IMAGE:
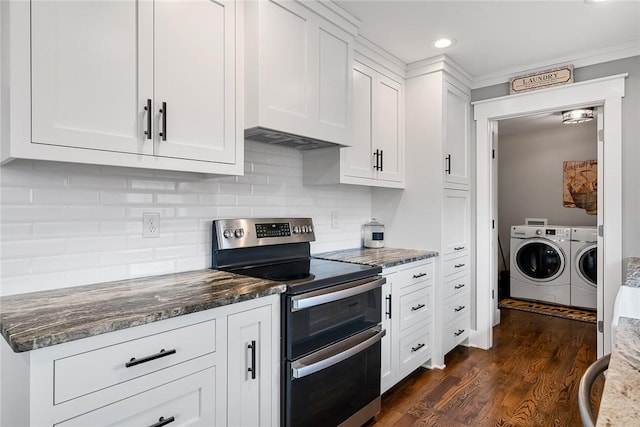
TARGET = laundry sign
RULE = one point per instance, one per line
(542, 79)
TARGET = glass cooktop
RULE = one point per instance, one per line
(308, 274)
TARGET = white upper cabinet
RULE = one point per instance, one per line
(376, 157)
(298, 72)
(377, 144)
(194, 76)
(456, 134)
(88, 82)
(127, 83)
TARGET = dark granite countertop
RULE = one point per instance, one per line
(41, 319)
(383, 257)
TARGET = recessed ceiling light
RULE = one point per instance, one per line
(443, 42)
(594, 1)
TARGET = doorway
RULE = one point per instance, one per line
(605, 92)
(536, 161)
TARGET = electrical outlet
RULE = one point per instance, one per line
(150, 224)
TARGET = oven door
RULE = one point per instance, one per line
(336, 384)
(317, 319)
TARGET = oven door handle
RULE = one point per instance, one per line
(336, 353)
(334, 293)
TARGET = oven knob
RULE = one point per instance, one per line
(239, 232)
(304, 228)
(310, 229)
(296, 230)
(539, 232)
(227, 233)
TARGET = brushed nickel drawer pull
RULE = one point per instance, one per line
(162, 353)
(418, 347)
(418, 307)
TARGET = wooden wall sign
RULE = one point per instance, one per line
(541, 79)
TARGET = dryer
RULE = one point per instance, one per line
(584, 267)
(540, 263)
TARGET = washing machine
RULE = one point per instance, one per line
(540, 263)
(584, 267)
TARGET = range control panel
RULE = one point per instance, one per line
(248, 232)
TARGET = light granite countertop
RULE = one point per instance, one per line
(633, 272)
(41, 319)
(383, 257)
(620, 404)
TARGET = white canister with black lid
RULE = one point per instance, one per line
(373, 234)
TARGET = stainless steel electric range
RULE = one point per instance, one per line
(331, 314)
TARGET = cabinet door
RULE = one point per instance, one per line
(387, 377)
(250, 367)
(456, 135)
(456, 221)
(304, 72)
(91, 65)
(388, 126)
(195, 79)
(357, 160)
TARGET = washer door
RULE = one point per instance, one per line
(540, 260)
(587, 260)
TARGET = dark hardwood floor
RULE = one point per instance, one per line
(529, 378)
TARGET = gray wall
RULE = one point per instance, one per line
(630, 139)
(530, 172)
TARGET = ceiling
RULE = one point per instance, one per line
(498, 38)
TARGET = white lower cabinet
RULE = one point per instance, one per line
(189, 370)
(408, 320)
(251, 371)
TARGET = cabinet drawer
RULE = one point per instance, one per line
(456, 306)
(457, 284)
(456, 265)
(415, 349)
(188, 401)
(456, 332)
(414, 275)
(415, 305)
(94, 370)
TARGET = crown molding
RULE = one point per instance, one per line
(366, 51)
(334, 13)
(439, 63)
(579, 60)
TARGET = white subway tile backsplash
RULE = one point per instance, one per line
(149, 184)
(125, 198)
(64, 224)
(15, 196)
(177, 199)
(55, 263)
(47, 196)
(151, 268)
(12, 249)
(31, 213)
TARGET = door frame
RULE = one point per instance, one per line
(606, 92)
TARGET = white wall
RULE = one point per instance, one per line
(630, 139)
(530, 178)
(64, 224)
